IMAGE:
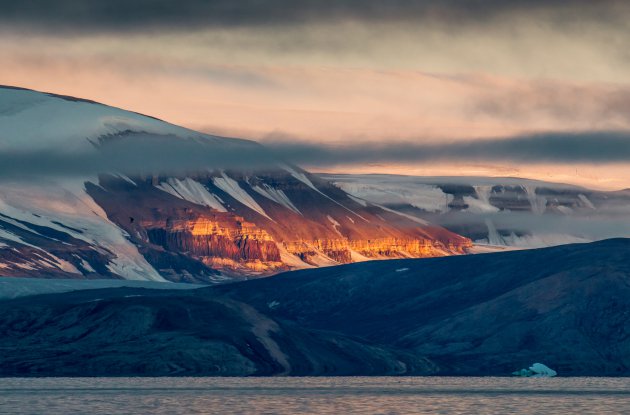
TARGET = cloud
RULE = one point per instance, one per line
(140, 153)
(608, 221)
(137, 153)
(591, 147)
(361, 70)
(93, 15)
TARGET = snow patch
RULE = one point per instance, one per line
(336, 225)
(302, 178)
(321, 260)
(410, 217)
(65, 201)
(276, 195)
(192, 191)
(24, 265)
(357, 257)
(231, 187)
(36, 121)
(8, 236)
(65, 265)
(127, 179)
(86, 266)
(291, 260)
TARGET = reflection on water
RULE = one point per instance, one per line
(342, 395)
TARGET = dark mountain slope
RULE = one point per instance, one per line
(567, 307)
(126, 331)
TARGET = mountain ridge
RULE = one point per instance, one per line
(208, 225)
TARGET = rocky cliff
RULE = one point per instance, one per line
(248, 233)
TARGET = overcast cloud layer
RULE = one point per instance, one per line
(357, 72)
(150, 154)
(98, 15)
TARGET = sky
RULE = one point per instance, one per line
(535, 88)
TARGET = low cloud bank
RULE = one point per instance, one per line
(143, 153)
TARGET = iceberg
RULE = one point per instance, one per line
(537, 370)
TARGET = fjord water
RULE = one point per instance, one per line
(338, 395)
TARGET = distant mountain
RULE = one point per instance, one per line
(491, 314)
(210, 225)
(499, 211)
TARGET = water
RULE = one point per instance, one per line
(349, 395)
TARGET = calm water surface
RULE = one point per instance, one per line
(345, 395)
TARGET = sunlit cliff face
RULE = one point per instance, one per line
(414, 72)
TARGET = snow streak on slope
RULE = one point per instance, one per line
(127, 179)
(335, 225)
(65, 207)
(231, 187)
(302, 178)
(9, 236)
(404, 215)
(276, 195)
(192, 191)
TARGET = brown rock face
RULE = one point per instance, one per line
(396, 247)
(217, 244)
(340, 250)
(336, 249)
(268, 222)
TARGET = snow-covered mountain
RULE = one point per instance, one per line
(206, 225)
(499, 211)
